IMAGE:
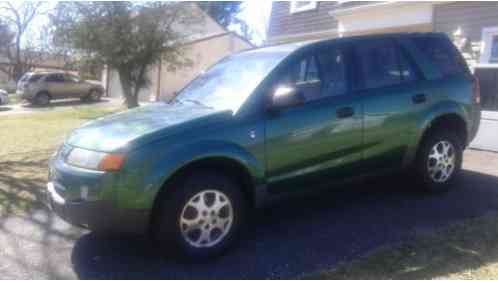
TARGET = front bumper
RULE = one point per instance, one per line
(90, 209)
(98, 216)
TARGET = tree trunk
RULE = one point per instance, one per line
(131, 98)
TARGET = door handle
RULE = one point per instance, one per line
(419, 98)
(344, 112)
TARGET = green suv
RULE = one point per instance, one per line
(265, 123)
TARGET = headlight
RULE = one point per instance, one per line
(95, 160)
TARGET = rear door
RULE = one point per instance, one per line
(392, 97)
(73, 87)
(320, 139)
(55, 85)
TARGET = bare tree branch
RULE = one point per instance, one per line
(19, 17)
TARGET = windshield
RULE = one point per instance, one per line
(25, 77)
(227, 84)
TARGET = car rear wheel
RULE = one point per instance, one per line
(202, 218)
(94, 95)
(42, 99)
(439, 161)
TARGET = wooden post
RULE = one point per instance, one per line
(159, 69)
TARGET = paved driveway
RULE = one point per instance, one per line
(284, 241)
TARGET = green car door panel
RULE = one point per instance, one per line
(390, 119)
(305, 141)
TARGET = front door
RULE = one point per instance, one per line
(323, 136)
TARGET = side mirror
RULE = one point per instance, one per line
(285, 97)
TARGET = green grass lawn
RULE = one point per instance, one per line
(467, 250)
(26, 143)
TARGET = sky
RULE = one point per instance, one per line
(257, 14)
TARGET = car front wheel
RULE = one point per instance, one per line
(95, 95)
(439, 161)
(203, 217)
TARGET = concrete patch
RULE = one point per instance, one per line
(487, 136)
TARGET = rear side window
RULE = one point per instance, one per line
(443, 55)
(383, 64)
(34, 77)
(55, 78)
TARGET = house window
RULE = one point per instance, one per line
(489, 46)
(301, 6)
(494, 50)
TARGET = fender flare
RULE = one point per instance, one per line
(188, 154)
(425, 122)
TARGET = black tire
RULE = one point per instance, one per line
(42, 99)
(435, 182)
(94, 95)
(167, 228)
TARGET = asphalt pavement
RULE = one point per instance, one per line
(287, 240)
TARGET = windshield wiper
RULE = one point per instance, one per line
(174, 100)
(196, 102)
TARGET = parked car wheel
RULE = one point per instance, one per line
(95, 95)
(4, 97)
(202, 218)
(42, 99)
(439, 161)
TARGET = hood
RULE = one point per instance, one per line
(116, 131)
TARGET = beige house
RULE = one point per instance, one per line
(45, 63)
(206, 44)
(472, 25)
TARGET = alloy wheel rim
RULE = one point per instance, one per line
(441, 161)
(95, 95)
(206, 218)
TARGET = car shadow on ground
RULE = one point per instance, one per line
(302, 235)
(65, 103)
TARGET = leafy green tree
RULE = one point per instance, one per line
(129, 37)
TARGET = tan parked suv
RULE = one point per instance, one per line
(41, 87)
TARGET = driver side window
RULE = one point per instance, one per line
(304, 77)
